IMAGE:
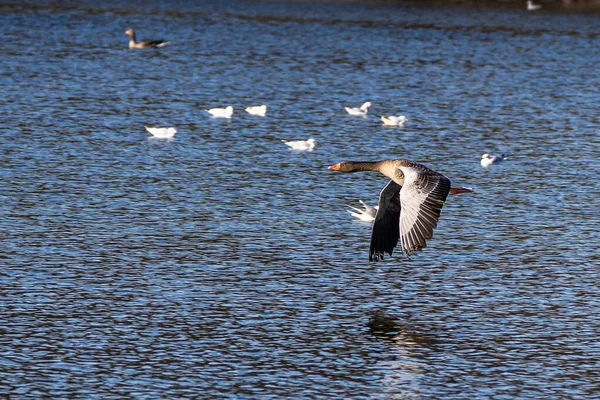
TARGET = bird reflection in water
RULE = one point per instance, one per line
(404, 376)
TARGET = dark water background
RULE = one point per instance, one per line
(221, 264)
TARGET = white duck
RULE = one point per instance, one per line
(488, 159)
(163, 133)
(361, 111)
(256, 110)
(393, 120)
(367, 214)
(532, 7)
(221, 112)
(308, 145)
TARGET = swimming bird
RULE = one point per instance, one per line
(301, 144)
(393, 121)
(221, 112)
(367, 213)
(409, 205)
(532, 7)
(163, 133)
(256, 110)
(488, 159)
(362, 110)
(145, 44)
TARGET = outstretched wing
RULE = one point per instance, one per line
(386, 227)
(421, 197)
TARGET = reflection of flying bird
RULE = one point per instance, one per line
(409, 205)
(399, 331)
(367, 213)
(407, 340)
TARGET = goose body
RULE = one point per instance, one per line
(409, 205)
(532, 7)
(360, 111)
(308, 144)
(393, 120)
(145, 44)
(256, 110)
(488, 159)
(367, 213)
(226, 112)
(163, 133)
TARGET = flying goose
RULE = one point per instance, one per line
(409, 205)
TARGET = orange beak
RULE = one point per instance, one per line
(335, 167)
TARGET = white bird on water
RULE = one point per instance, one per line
(221, 112)
(488, 159)
(144, 44)
(532, 7)
(256, 110)
(308, 145)
(162, 133)
(393, 120)
(366, 214)
(361, 111)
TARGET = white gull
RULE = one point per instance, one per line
(163, 133)
(361, 111)
(488, 159)
(301, 144)
(532, 7)
(393, 120)
(256, 110)
(221, 112)
(367, 213)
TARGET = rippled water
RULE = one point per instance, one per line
(221, 264)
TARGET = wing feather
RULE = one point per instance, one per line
(421, 198)
(386, 226)
(408, 213)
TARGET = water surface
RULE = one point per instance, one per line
(221, 264)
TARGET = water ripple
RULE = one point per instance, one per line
(221, 264)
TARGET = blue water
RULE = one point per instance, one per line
(222, 264)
